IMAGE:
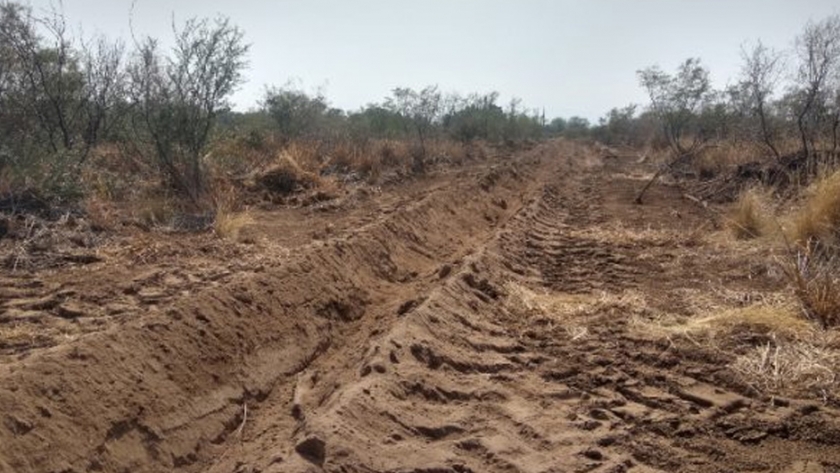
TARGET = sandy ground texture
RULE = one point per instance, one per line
(515, 315)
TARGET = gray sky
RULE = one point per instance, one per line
(571, 57)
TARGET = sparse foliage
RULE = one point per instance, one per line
(58, 96)
(179, 96)
(817, 76)
(422, 109)
(679, 101)
(760, 74)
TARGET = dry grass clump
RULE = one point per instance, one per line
(750, 215)
(154, 211)
(790, 366)
(781, 319)
(240, 155)
(370, 166)
(392, 154)
(618, 232)
(815, 278)
(101, 213)
(449, 152)
(531, 302)
(305, 155)
(228, 218)
(776, 317)
(818, 221)
(228, 224)
(285, 176)
(812, 262)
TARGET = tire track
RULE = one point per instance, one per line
(463, 381)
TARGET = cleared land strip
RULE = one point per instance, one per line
(508, 322)
(170, 390)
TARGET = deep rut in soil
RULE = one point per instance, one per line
(170, 390)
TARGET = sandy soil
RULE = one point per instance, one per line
(506, 316)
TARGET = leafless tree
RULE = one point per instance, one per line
(818, 52)
(105, 86)
(760, 74)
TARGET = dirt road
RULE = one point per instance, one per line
(490, 319)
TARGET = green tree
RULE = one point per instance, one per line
(57, 96)
(678, 101)
(179, 96)
(296, 113)
(422, 110)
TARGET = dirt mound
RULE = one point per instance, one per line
(487, 320)
(283, 178)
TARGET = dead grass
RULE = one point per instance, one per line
(811, 257)
(790, 367)
(722, 157)
(153, 211)
(818, 220)
(560, 305)
(618, 232)
(229, 225)
(815, 278)
(229, 218)
(803, 242)
(750, 216)
(285, 176)
(303, 156)
(237, 156)
(781, 318)
(370, 166)
(775, 317)
(449, 152)
(391, 153)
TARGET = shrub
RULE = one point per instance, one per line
(179, 97)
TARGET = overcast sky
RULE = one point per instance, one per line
(570, 57)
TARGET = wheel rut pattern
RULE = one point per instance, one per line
(408, 346)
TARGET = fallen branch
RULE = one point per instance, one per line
(683, 157)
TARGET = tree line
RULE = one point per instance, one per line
(63, 94)
(787, 101)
